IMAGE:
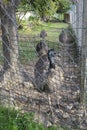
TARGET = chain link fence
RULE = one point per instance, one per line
(23, 71)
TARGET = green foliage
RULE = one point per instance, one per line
(63, 5)
(44, 8)
(24, 6)
(34, 20)
(5, 1)
(11, 119)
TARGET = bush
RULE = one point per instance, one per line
(11, 119)
(34, 20)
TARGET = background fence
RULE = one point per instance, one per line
(63, 104)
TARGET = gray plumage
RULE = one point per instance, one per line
(41, 48)
(66, 37)
(41, 72)
(47, 78)
(43, 34)
(63, 36)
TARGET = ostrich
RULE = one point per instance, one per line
(66, 36)
(63, 37)
(41, 48)
(42, 69)
(47, 74)
(43, 34)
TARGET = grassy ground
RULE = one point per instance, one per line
(53, 29)
(27, 46)
(36, 28)
(11, 119)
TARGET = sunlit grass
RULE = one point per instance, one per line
(53, 30)
(34, 30)
(26, 51)
(27, 47)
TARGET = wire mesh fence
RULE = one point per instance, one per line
(35, 80)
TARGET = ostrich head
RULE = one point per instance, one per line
(51, 55)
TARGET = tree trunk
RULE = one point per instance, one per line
(9, 36)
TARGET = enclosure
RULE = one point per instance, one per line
(65, 104)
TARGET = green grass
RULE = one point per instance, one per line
(53, 30)
(27, 47)
(35, 29)
(27, 50)
(11, 119)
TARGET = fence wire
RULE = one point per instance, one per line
(53, 95)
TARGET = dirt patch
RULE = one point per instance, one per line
(62, 106)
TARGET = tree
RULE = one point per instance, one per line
(44, 8)
(63, 5)
(23, 8)
(9, 34)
